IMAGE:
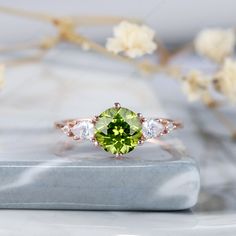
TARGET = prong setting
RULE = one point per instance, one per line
(140, 115)
(95, 142)
(140, 142)
(70, 134)
(118, 155)
(117, 105)
(95, 119)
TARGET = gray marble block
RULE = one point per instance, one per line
(147, 179)
(41, 168)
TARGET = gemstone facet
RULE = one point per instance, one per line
(170, 126)
(83, 130)
(118, 130)
(152, 128)
(66, 129)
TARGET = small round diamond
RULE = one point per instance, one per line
(66, 129)
(151, 128)
(83, 130)
(170, 126)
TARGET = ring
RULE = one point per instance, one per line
(117, 130)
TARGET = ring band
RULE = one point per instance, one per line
(117, 130)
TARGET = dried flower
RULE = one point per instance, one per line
(195, 86)
(2, 81)
(225, 80)
(132, 39)
(216, 44)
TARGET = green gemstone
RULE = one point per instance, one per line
(118, 130)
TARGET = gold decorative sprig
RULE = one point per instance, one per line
(66, 28)
(131, 39)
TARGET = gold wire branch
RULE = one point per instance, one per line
(66, 28)
(32, 15)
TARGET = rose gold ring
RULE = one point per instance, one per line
(117, 130)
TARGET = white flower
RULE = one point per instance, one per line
(2, 81)
(132, 39)
(195, 86)
(225, 80)
(216, 44)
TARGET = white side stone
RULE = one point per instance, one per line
(83, 130)
(151, 128)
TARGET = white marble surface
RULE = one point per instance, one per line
(73, 223)
(206, 141)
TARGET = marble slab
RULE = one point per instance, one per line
(148, 179)
(204, 137)
(40, 169)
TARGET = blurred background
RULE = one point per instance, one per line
(175, 21)
(51, 88)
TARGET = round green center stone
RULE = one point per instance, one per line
(118, 130)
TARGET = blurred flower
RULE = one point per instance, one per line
(2, 81)
(195, 86)
(132, 39)
(225, 80)
(216, 44)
